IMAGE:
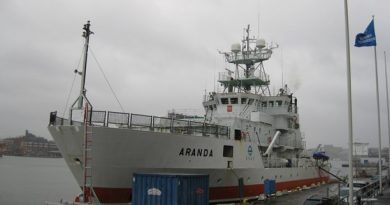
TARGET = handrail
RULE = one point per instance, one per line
(370, 190)
(149, 123)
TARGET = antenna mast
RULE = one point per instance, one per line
(78, 103)
(87, 32)
(248, 56)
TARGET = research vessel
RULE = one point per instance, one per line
(247, 136)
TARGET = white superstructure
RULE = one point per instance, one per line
(247, 135)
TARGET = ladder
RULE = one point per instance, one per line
(87, 168)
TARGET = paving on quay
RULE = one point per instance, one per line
(299, 197)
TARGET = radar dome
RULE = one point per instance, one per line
(236, 47)
(260, 43)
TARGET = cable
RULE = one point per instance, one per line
(70, 91)
(108, 83)
(71, 88)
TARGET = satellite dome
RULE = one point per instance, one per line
(236, 47)
(260, 43)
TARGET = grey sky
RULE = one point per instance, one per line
(160, 55)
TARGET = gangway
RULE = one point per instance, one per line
(335, 176)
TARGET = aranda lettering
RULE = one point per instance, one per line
(193, 152)
(188, 151)
(196, 152)
(199, 153)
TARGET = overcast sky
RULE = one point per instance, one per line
(159, 55)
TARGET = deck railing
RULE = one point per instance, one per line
(148, 123)
(365, 194)
(225, 76)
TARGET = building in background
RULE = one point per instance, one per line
(29, 145)
(360, 149)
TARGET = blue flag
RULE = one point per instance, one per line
(368, 37)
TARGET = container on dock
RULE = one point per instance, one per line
(269, 186)
(170, 189)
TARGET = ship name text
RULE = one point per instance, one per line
(196, 152)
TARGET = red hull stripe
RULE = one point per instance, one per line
(113, 195)
(123, 195)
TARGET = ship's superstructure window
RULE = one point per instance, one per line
(263, 104)
(211, 107)
(227, 151)
(237, 134)
(225, 101)
(233, 100)
(250, 102)
(271, 103)
(243, 100)
(279, 103)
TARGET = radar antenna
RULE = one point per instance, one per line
(248, 57)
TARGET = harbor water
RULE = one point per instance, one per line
(33, 181)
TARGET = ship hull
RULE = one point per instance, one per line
(117, 153)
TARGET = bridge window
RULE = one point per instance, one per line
(271, 103)
(279, 103)
(210, 107)
(225, 101)
(250, 102)
(243, 100)
(233, 100)
(263, 104)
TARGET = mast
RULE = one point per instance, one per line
(78, 103)
(249, 71)
(87, 32)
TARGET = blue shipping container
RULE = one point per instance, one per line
(269, 187)
(170, 189)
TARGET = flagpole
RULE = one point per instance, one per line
(379, 120)
(350, 130)
(388, 114)
(379, 123)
